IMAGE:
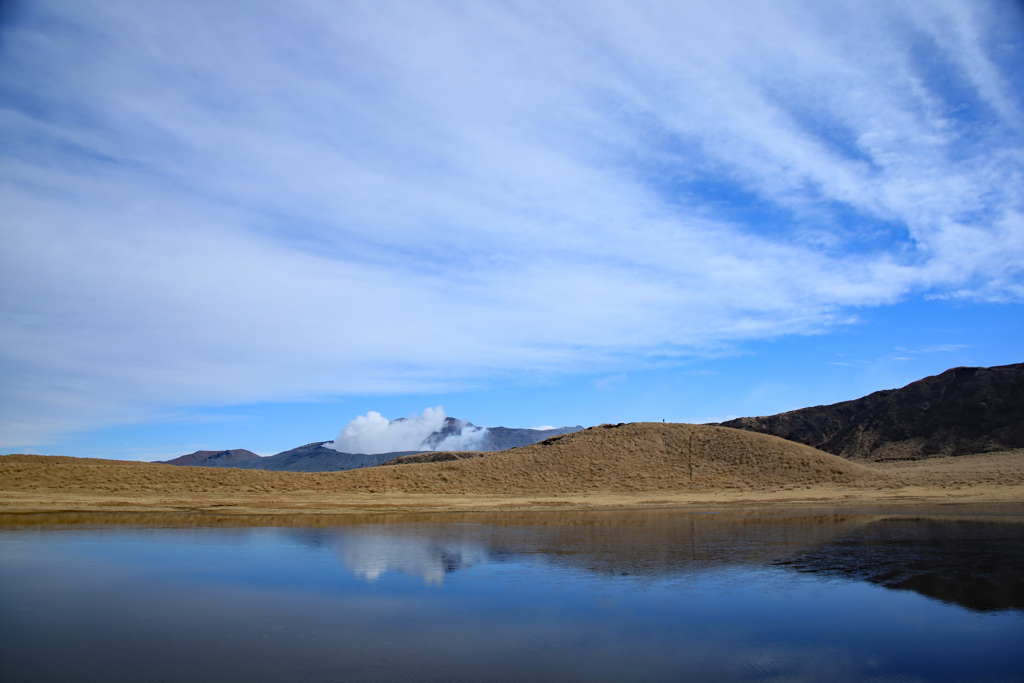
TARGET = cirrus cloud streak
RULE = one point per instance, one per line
(209, 206)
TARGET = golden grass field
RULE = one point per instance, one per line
(639, 465)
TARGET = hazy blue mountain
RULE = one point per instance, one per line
(503, 438)
(231, 458)
(316, 457)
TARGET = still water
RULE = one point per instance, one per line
(755, 595)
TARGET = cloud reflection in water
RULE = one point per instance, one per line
(369, 554)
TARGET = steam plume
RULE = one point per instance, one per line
(430, 431)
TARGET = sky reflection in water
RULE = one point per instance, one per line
(655, 596)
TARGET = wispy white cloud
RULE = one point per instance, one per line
(208, 205)
(944, 348)
(611, 381)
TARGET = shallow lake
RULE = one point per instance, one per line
(760, 595)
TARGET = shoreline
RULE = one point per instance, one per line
(312, 505)
(56, 484)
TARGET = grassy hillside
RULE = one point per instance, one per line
(638, 464)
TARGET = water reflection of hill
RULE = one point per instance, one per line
(974, 558)
(667, 545)
(641, 545)
(977, 565)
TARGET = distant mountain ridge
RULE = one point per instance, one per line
(231, 458)
(317, 457)
(961, 411)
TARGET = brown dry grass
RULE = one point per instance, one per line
(634, 457)
(635, 465)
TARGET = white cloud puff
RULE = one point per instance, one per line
(374, 433)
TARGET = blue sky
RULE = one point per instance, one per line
(241, 225)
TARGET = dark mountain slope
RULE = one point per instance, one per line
(961, 411)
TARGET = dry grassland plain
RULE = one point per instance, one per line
(632, 466)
